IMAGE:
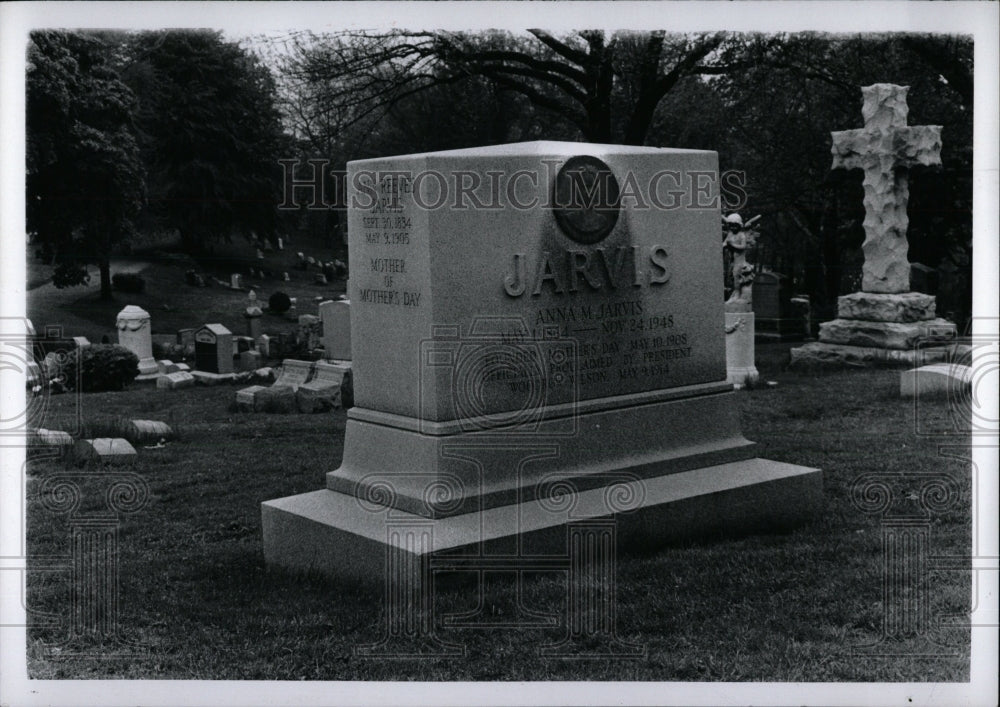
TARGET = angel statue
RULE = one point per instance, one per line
(738, 238)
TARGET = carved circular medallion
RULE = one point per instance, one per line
(585, 199)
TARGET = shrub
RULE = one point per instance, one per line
(102, 367)
(128, 282)
(279, 303)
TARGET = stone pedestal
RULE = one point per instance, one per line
(253, 316)
(740, 367)
(135, 334)
(874, 329)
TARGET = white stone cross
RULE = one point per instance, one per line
(885, 148)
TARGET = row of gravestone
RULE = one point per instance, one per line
(215, 347)
(101, 450)
(301, 386)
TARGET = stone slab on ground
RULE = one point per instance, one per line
(106, 450)
(294, 373)
(166, 366)
(206, 378)
(334, 534)
(877, 307)
(886, 335)
(818, 354)
(175, 381)
(149, 431)
(51, 439)
(937, 379)
(246, 398)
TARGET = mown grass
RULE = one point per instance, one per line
(196, 600)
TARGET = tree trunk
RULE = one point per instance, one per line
(105, 266)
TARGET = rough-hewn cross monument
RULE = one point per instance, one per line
(885, 322)
(885, 149)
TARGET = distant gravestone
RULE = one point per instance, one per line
(213, 349)
(165, 366)
(105, 450)
(935, 380)
(308, 331)
(81, 342)
(280, 243)
(185, 337)
(285, 277)
(135, 334)
(143, 431)
(320, 279)
(236, 281)
(294, 373)
(323, 392)
(264, 345)
(174, 381)
(336, 316)
(251, 360)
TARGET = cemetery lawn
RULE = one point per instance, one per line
(196, 601)
(171, 302)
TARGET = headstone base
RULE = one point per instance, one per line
(667, 482)
(147, 366)
(886, 335)
(334, 534)
(875, 307)
(820, 354)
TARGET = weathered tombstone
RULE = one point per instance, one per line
(935, 380)
(336, 316)
(141, 431)
(309, 325)
(251, 360)
(213, 349)
(236, 281)
(884, 323)
(323, 392)
(174, 381)
(295, 373)
(772, 307)
(185, 337)
(285, 277)
(135, 334)
(105, 450)
(165, 366)
(263, 343)
(542, 342)
(280, 244)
